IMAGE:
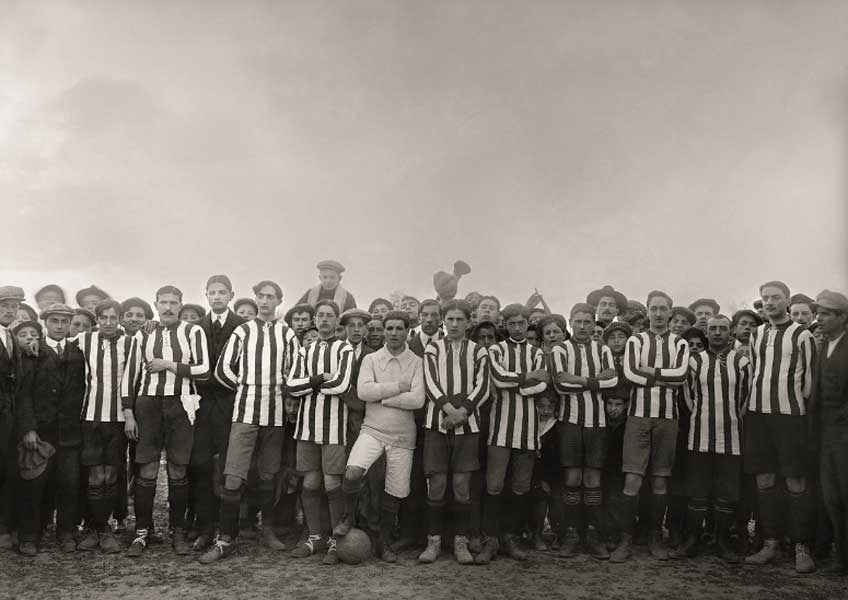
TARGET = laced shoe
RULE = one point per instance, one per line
(804, 562)
(91, 541)
(488, 553)
(460, 550)
(624, 550)
(139, 544)
(513, 550)
(109, 544)
(221, 548)
(332, 556)
(307, 548)
(433, 550)
(767, 554)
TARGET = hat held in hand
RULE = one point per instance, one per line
(446, 283)
(32, 463)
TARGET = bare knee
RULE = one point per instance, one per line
(592, 478)
(176, 471)
(233, 483)
(149, 470)
(659, 486)
(332, 482)
(312, 481)
(796, 485)
(438, 482)
(765, 480)
(96, 476)
(632, 484)
(461, 487)
(573, 477)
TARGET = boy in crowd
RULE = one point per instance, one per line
(48, 295)
(246, 308)
(48, 418)
(681, 319)
(392, 386)
(253, 364)
(655, 361)
(616, 402)
(716, 394)
(375, 338)
(411, 306)
(744, 323)
(135, 313)
(88, 298)
(83, 320)
(159, 402)
(320, 376)
(547, 474)
(330, 287)
(581, 370)
(299, 318)
(518, 374)
(456, 374)
(192, 313)
(802, 309)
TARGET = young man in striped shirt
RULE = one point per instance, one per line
(782, 355)
(581, 369)
(716, 394)
(104, 445)
(518, 374)
(320, 376)
(159, 401)
(655, 362)
(254, 364)
(456, 373)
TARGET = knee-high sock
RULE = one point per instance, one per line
(145, 491)
(593, 502)
(177, 501)
(517, 510)
(265, 498)
(96, 501)
(435, 517)
(626, 516)
(352, 489)
(492, 515)
(571, 498)
(229, 520)
(801, 517)
(697, 512)
(659, 503)
(461, 517)
(203, 498)
(335, 500)
(770, 513)
(311, 500)
(389, 508)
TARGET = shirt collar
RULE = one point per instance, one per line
(222, 318)
(383, 356)
(513, 341)
(53, 343)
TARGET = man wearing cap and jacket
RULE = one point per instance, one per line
(829, 407)
(330, 288)
(49, 407)
(10, 376)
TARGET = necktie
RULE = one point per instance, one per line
(216, 326)
(60, 349)
(8, 341)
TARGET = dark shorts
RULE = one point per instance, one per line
(451, 453)
(775, 444)
(162, 424)
(520, 464)
(103, 444)
(711, 475)
(330, 459)
(254, 445)
(649, 441)
(212, 427)
(582, 446)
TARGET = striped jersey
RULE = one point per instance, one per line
(513, 421)
(579, 404)
(651, 396)
(322, 415)
(184, 343)
(457, 376)
(254, 363)
(781, 366)
(105, 360)
(716, 394)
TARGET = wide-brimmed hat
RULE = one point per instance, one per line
(595, 297)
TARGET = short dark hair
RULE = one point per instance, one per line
(85, 313)
(556, 319)
(745, 313)
(330, 303)
(268, 283)
(430, 302)
(460, 305)
(475, 333)
(695, 332)
(242, 301)
(397, 315)
(169, 289)
(721, 316)
(492, 298)
(661, 294)
(377, 301)
(222, 279)
(682, 310)
(33, 316)
(298, 308)
(105, 305)
(582, 307)
(407, 297)
(514, 310)
(135, 301)
(779, 285)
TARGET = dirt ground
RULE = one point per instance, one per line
(258, 573)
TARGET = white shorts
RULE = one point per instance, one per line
(367, 449)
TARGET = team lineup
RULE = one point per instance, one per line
(445, 425)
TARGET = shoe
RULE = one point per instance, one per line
(434, 548)
(404, 543)
(570, 543)
(513, 550)
(767, 554)
(67, 543)
(385, 553)
(91, 541)
(109, 543)
(488, 553)
(657, 547)
(460, 550)
(688, 548)
(28, 548)
(307, 548)
(271, 541)
(344, 526)
(475, 544)
(595, 547)
(332, 556)
(725, 551)
(804, 562)
(180, 543)
(623, 551)
(555, 544)
(138, 544)
(539, 543)
(202, 542)
(222, 548)
(6, 541)
(192, 535)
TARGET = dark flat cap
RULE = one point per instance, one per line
(58, 309)
(617, 326)
(705, 302)
(595, 297)
(354, 312)
(91, 290)
(11, 292)
(801, 299)
(86, 313)
(333, 265)
(32, 463)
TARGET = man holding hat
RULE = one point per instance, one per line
(608, 304)
(330, 288)
(10, 375)
(89, 297)
(830, 394)
(49, 294)
(704, 309)
(49, 407)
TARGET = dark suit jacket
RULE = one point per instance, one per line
(52, 391)
(351, 398)
(10, 379)
(839, 359)
(215, 346)
(416, 346)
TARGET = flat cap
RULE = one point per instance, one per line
(617, 326)
(91, 290)
(11, 292)
(354, 312)
(85, 313)
(332, 265)
(801, 299)
(705, 302)
(58, 309)
(832, 300)
(595, 297)
(50, 287)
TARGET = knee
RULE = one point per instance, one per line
(659, 486)
(796, 485)
(176, 471)
(312, 481)
(765, 481)
(592, 478)
(332, 482)
(494, 485)
(461, 487)
(436, 487)
(232, 483)
(97, 475)
(632, 484)
(149, 470)
(573, 477)
(354, 474)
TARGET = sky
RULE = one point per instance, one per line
(698, 148)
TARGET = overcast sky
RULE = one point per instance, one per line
(698, 147)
